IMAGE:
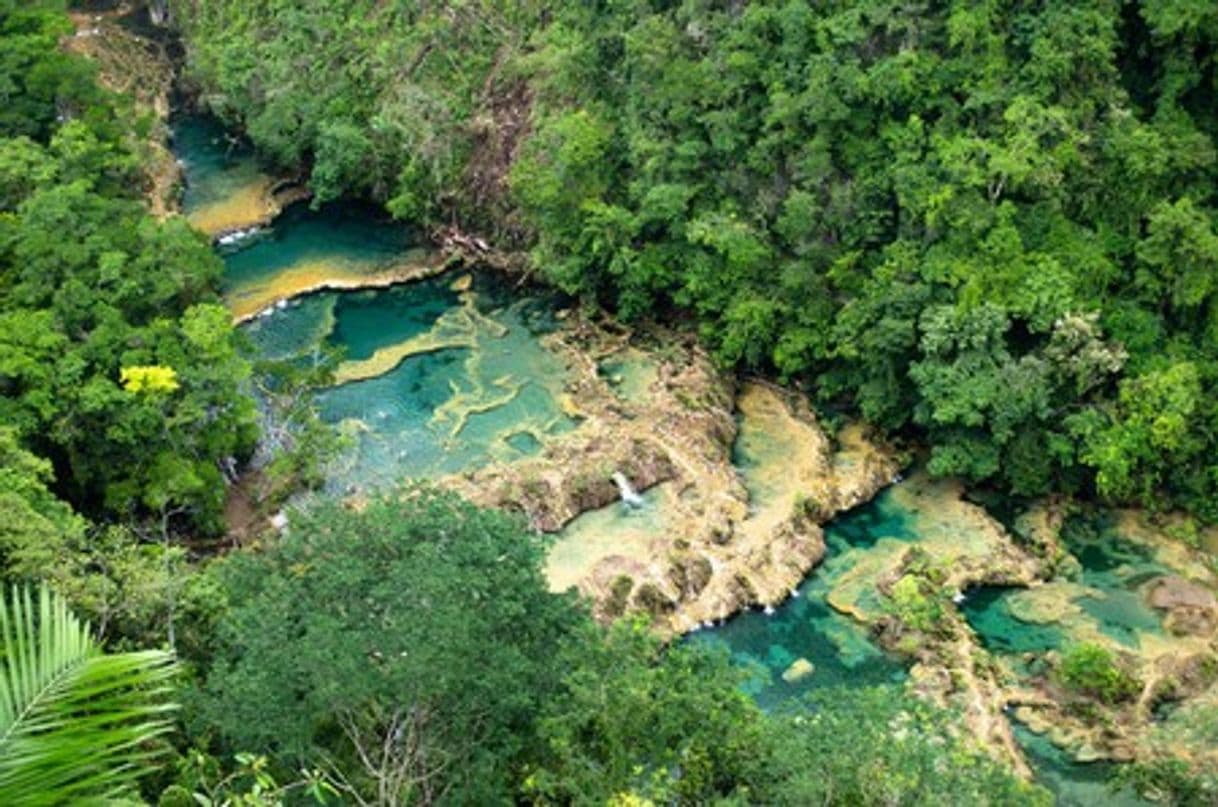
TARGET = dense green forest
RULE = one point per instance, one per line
(987, 225)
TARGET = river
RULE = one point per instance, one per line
(451, 371)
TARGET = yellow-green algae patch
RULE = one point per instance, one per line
(249, 203)
(247, 301)
(784, 460)
(630, 372)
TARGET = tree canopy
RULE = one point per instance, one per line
(986, 225)
(411, 651)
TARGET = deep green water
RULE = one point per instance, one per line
(1073, 784)
(214, 163)
(340, 235)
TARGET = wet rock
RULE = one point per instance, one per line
(1088, 753)
(1192, 609)
(716, 548)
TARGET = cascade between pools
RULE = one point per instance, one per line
(445, 372)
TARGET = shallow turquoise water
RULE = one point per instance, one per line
(304, 324)
(1113, 566)
(340, 235)
(437, 412)
(489, 392)
(369, 320)
(806, 627)
(844, 655)
(616, 530)
(1116, 569)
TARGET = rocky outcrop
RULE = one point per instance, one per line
(723, 547)
(313, 277)
(959, 546)
(1192, 609)
(1177, 664)
(249, 207)
(142, 70)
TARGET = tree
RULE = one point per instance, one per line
(406, 646)
(75, 723)
(1148, 435)
(669, 725)
(899, 208)
(901, 752)
(1093, 670)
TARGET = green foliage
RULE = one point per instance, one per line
(916, 604)
(878, 746)
(418, 617)
(1093, 670)
(669, 725)
(75, 723)
(1169, 781)
(1150, 432)
(116, 363)
(991, 226)
(204, 782)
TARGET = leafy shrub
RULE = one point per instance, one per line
(1094, 671)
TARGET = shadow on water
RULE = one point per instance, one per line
(1073, 784)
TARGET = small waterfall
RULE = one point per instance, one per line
(629, 495)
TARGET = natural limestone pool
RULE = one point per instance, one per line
(444, 372)
(438, 375)
(1099, 594)
(805, 644)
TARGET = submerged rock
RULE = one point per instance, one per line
(800, 669)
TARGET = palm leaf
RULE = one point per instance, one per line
(75, 723)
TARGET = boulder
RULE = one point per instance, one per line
(800, 669)
(1192, 609)
(1170, 592)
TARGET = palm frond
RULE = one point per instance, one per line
(74, 721)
